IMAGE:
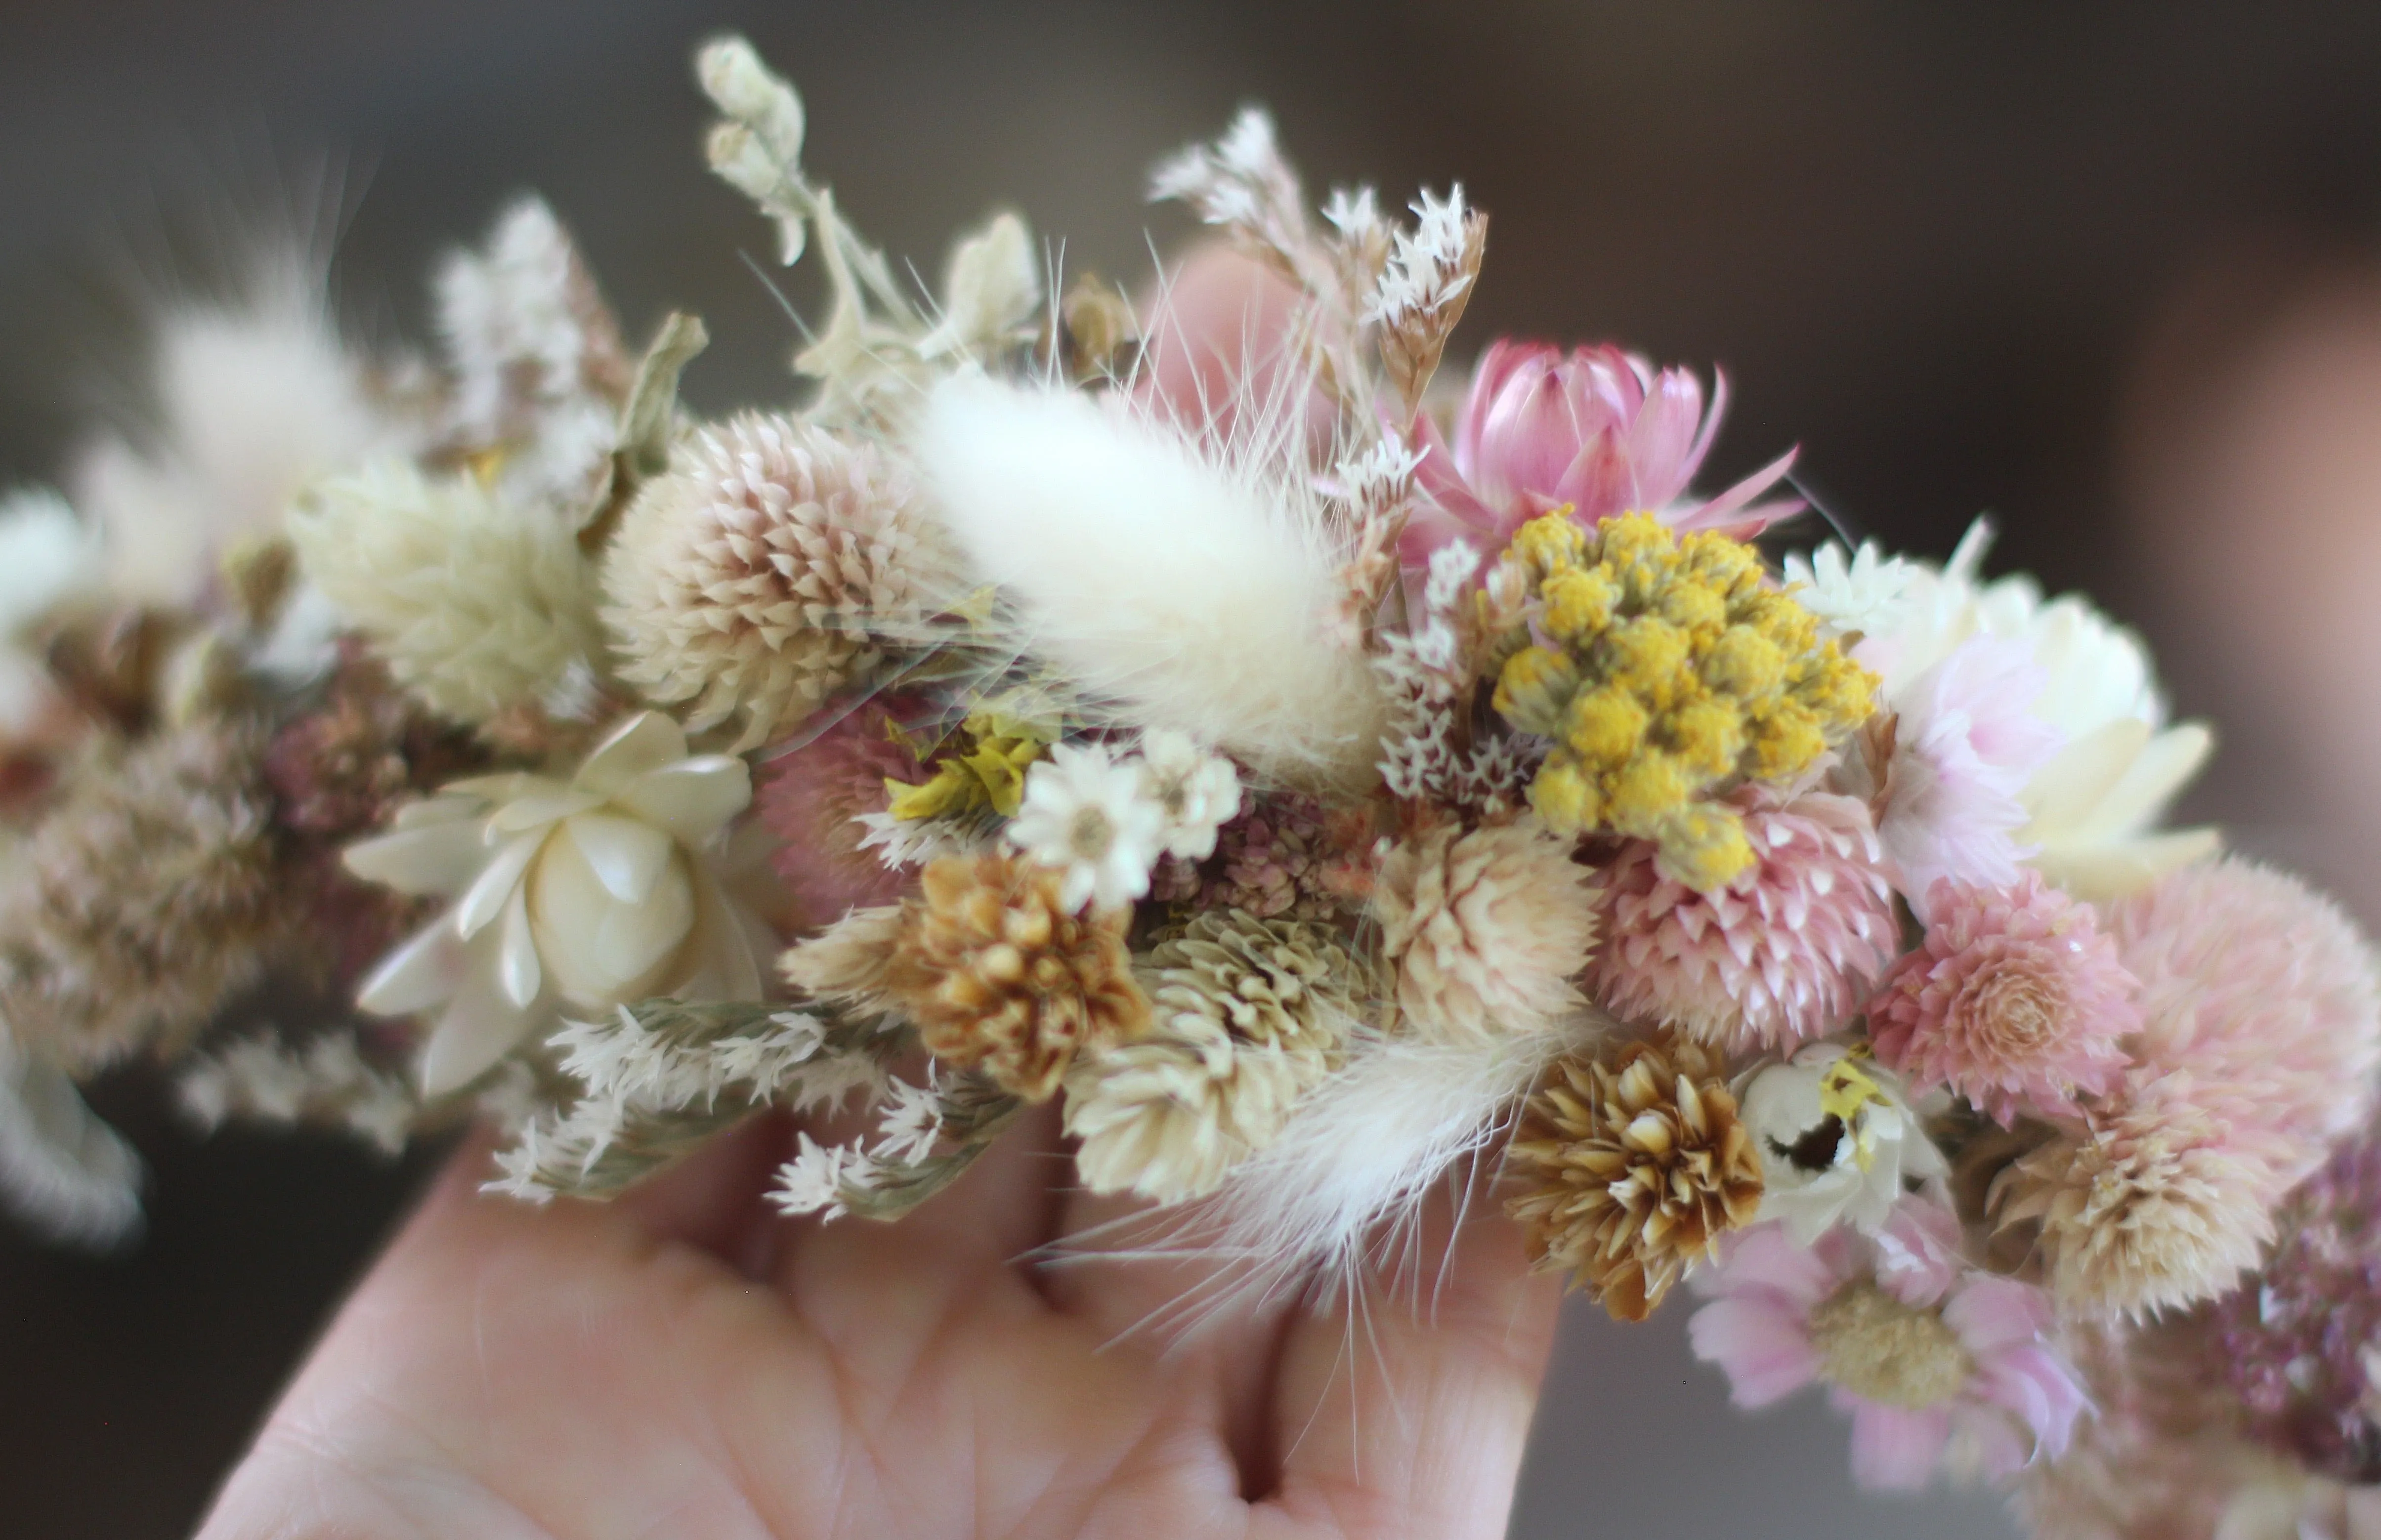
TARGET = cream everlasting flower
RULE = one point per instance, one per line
(1085, 815)
(2090, 808)
(1487, 930)
(1196, 790)
(1836, 1139)
(587, 893)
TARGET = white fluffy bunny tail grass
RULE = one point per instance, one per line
(1335, 1201)
(1182, 587)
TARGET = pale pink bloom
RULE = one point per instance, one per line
(2014, 999)
(1599, 429)
(811, 797)
(1938, 1365)
(1782, 953)
(1965, 745)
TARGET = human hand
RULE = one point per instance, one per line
(683, 1362)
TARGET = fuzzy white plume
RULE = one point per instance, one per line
(63, 1172)
(1340, 1192)
(1180, 586)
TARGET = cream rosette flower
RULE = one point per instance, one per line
(577, 895)
(2093, 805)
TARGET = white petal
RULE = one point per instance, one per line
(691, 798)
(598, 951)
(517, 966)
(486, 899)
(497, 790)
(627, 856)
(433, 859)
(479, 1027)
(424, 969)
(528, 812)
(645, 742)
(446, 806)
(2064, 792)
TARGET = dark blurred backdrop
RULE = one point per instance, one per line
(1970, 258)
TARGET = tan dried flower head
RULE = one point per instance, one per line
(1249, 1014)
(1487, 929)
(144, 902)
(2154, 1208)
(996, 973)
(764, 572)
(1633, 1170)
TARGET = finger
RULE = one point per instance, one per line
(1404, 1410)
(972, 1242)
(715, 1199)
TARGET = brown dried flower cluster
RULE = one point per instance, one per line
(1633, 1170)
(1250, 1015)
(996, 973)
(339, 770)
(757, 576)
(144, 901)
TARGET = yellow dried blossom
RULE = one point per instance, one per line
(1665, 668)
(985, 769)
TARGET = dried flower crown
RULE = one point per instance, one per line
(1307, 779)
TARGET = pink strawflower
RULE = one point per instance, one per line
(2015, 999)
(2296, 1343)
(1784, 952)
(811, 797)
(1937, 1364)
(1599, 429)
(1965, 745)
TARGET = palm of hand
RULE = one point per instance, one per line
(681, 1363)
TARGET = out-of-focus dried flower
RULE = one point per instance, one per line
(1632, 1170)
(1486, 930)
(338, 769)
(813, 799)
(144, 902)
(1271, 859)
(2014, 1001)
(997, 971)
(478, 606)
(770, 568)
(1249, 1016)
(1780, 952)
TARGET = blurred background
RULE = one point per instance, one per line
(2110, 272)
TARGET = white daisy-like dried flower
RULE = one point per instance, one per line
(1862, 593)
(1090, 817)
(589, 893)
(1487, 930)
(479, 607)
(1838, 1140)
(1196, 791)
(766, 570)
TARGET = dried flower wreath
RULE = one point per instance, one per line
(1318, 780)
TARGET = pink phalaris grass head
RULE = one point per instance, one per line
(1938, 1365)
(811, 797)
(1782, 953)
(2297, 1343)
(2015, 999)
(2262, 990)
(1598, 428)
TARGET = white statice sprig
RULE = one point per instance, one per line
(1088, 816)
(1196, 791)
(822, 1178)
(328, 1082)
(1423, 288)
(1863, 594)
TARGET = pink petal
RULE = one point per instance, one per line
(1759, 1344)
(1895, 1448)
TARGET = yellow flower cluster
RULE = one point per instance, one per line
(1667, 669)
(984, 766)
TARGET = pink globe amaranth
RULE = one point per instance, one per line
(1599, 429)
(1784, 952)
(811, 797)
(2015, 999)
